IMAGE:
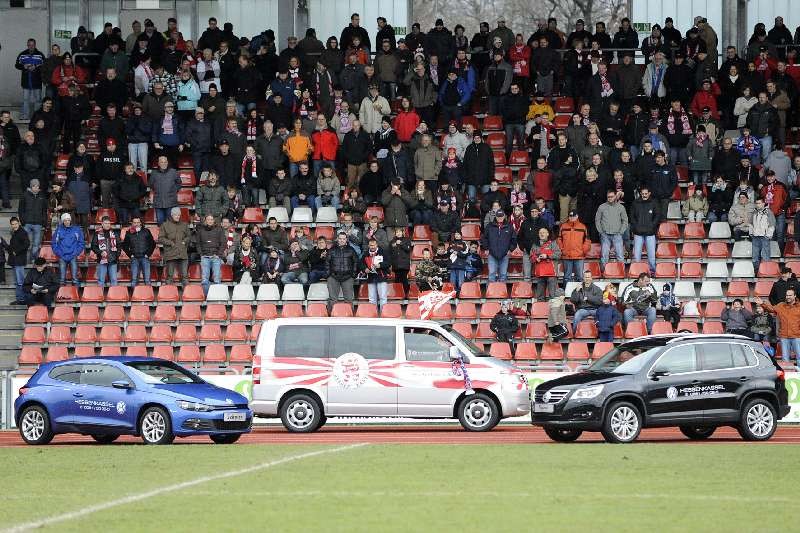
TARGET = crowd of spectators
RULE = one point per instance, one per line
(362, 121)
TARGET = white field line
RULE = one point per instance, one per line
(496, 494)
(85, 511)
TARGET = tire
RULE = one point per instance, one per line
(301, 413)
(34, 425)
(758, 420)
(622, 423)
(155, 426)
(226, 438)
(105, 439)
(478, 412)
(698, 432)
(562, 435)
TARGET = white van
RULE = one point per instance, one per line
(308, 369)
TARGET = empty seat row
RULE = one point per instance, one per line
(240, 354)
(139, 334)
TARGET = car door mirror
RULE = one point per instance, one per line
(457, 355)
(121, 384)
(660, 373)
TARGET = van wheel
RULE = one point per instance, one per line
(34, 425)
(757, 421)
(478, 412)
(105, 439)
(698, 432)
(301, 413)
(155, 426)
(225, 438)
(622, 423)
(562, 435)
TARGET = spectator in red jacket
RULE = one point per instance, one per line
(705, 97)
(406, 121)
(776, 197)
(326, 144)
(520, 58)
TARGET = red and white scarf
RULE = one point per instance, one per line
(249, 160)
(605, 87)
(106, 245)
(686, 127)
(700, 139)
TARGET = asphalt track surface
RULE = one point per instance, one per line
(423, 434)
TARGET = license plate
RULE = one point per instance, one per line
(234, 417)
(543, 408)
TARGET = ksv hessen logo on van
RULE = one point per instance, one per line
(350, 370)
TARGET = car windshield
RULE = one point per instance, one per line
(473, 349)
(626, 358)
(163, 373)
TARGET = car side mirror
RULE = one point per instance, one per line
(455, 354)
(658, 374)
(122, 384)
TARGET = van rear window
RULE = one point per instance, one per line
(301, 341)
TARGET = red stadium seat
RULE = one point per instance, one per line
(37, 314)
(190, 313)
(216, 313)
(164, 313)
(292, 310)
(253, 215)
(193, 293)
(412, 311)
(717, 250)
(92, 294)
(561, 121)
(464, 329)
(143, 293)
(117, 294)
(112, 314)
(496, 140)
(342, 309)
(254, 333)
(105, 212)
(713, 328)
(668, 230)
(526, 351)
(691, 270)
(496, 290)
(209, 333)
(519, 158)
(489, 310)
(683, 173)
(84, 351)
(185, 333)
(63, 315)
(34, 335)
(471, 290)
(187, 178)
(694, 230)
(693, 250)
(500, 350)
(763, 288)
(85, 334)
(666, 270)
(471, 232)
(564, 104)
(164, 352)
(521, 289)
(30, 355)
(536, 330)
(136, 351)
(189, 354)
(635, 329)
(586, 330)
(367, 310)
(601, 348)
(392, 310)
(714, 309)
(161, 334)
(636, 268)
(266, 312)
(110, 335)
(241, 353)
(374, 211)
(768, 269)
(168, 294)
(614, 269)
(466, 311)
(661, 327)
(135, 334)
(445, 312)
(185, 197)
(235, 333)
(540, 310)
(503, 175)
(499, 160)
(241, 313)
(492, 123)
(484, 332)
(552, 351)
(57, 353)
(577, 351)
(214, 353)
(422, 232)
(738, 289)
(685, 325)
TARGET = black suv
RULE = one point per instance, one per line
(695, 382)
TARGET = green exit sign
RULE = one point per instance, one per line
(642, 26)
(400, 30)
(62, 34)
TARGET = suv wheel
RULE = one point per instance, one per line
(622, 424)
(562, 435)
(478, 412)
(155, 426)
(105, 439)
(758, 420)
(301, 413)
(34, 425)
(698, 432)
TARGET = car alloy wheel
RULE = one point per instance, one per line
(760, 420)
(478, 412)
(622, 423)
(155, 426)
(301, 413)
(33, 425)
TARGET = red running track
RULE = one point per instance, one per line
(424, 434)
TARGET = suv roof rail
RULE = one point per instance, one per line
(682, 336)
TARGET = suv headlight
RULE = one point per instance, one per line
(194, 406)
(588, 393)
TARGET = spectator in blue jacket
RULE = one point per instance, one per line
(606, 317)
(454, 94)
(499, 239)
(68, 244)
(284, 86)
(168, 134)
(30, 62)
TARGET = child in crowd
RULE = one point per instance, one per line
(606, 318)
(761, 328)
(557, 316)
(474, 263)
(669, 305)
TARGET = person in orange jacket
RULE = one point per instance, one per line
(573, 240)
(788, 313)
(326, 144)
(406, 121)
(776, 198)
(297, 147)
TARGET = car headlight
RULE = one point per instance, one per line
(588, 393)
(194, 406)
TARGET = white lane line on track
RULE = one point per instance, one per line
(496, 494)
(172, 488)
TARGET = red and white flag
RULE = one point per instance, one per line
(430, 301)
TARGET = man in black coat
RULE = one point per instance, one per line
(354, 29)
(397, 165)
(226, 166)
(198, 137)
(40, 285)
(211, 37)
(17, 247)
(478, 166)
(75, 110)
(139, 245)
(32, 162)
(110, 90)
(564, 164)
(514, 109)
(112, 127)
(726, 161)
(603, 87)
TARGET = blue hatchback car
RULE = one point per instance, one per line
(112, 396)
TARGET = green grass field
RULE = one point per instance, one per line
(579, 487)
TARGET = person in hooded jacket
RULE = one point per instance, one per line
(75, 111)
(564, 164)
(128, 191)
(68, 243)
(478, 166)
(32, 162)
(397, 165)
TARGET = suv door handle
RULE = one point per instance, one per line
(77, 395)
(743, 378)
(695, 382)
